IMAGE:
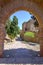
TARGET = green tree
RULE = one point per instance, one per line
(7, 26)
(12, 28)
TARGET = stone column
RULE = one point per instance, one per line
(2, 37)
(41, 40)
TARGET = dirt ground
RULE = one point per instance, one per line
(21, 53)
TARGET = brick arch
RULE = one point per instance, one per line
(32, 8)
(10, 6)
(25, 9)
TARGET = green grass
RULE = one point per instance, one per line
(30, 34)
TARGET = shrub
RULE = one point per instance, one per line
(29, 34)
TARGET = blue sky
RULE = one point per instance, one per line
(23, 16)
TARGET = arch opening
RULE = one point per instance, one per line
(19, 39)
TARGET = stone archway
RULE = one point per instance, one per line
(7, 7)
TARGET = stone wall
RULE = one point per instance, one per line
(41, 40)
(2, 37)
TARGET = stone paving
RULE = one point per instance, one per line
(21, 52)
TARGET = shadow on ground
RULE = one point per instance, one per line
(20, 53)
(21, 56)
(31, 43)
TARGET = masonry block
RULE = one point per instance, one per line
(2, 37)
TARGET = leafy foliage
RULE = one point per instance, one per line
(29, 34)
(12, 28)
(7, 27)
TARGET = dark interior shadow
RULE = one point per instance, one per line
(21, 56)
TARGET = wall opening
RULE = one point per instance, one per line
(17, 45)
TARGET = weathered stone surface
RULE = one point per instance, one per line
(41, 40)
(2, 37)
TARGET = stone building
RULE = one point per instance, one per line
(29, 26)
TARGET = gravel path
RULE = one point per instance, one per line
(21, 48)
(21, 52)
